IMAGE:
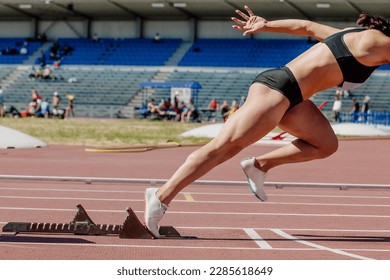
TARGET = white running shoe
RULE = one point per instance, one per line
(154, 210)
(255, 177)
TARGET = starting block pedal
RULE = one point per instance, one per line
(82, 224)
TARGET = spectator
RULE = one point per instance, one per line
(69, 111)
(35, 74)
(366, 107)
(224, 109)
(44, 109)
(56, 110)
(33, 106)
(164, 105)
(95, 38)
(36, 100)
(11, 112)
(189, 113)
(67, 50)
(233, 108)
(175, 105)
(157, 38)
(242, 101)
(1, 103)
(355, 110)
(35, 95)
(154, 109)
(180, 109)
(212, 107)
(23, 49)
(47, 73)
(213, 104)
(337, 107)
(55, 51)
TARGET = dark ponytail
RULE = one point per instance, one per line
(374, 22)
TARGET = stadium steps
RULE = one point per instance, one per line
(12, 76)
(33, 57)
(178, 54)
(141, 97)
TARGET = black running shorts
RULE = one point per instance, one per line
(282, 80)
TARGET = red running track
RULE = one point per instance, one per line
(229, 222)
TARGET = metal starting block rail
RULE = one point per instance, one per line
(82, 224)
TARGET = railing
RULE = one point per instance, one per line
(381, 118)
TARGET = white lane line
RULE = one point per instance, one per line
(69, 190)
(257, 238)
(126, 246)
(197, 201)
(320, 247)
(209, 213)
(69, 198)
(193, 192)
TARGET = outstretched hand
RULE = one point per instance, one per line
(251, 23)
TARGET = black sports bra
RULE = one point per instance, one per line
(354, 73)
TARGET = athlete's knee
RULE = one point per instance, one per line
(328, 148)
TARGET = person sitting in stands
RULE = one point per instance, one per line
(153, 109)
(47, 73)
(44, 110)
(69, 112)
(233, 108)
(33, 105)
(213, 104)
(189, 112)
(95, 38)
(56, 106)
(224, 109)
(156, 38)
(55, 51)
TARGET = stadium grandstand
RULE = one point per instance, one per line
(101, 51)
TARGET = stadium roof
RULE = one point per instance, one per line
(328, 10)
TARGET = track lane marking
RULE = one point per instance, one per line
(257, 238)
(320, 247)
(5, 244)
(188, 197)
(207, 213)
(198, 193)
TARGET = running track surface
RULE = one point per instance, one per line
(228, 221)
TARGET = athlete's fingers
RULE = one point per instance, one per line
(247, 32)
(238, 27)
(249, 11)
(243, 15)
(238, 21)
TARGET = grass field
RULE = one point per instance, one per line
(108, 132)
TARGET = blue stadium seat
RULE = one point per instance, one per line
(243, 52)
(16, 44)
(119, 51)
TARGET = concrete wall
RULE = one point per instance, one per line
(16, 28)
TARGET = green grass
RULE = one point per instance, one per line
(108, 132)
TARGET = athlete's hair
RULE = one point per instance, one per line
(374, 22)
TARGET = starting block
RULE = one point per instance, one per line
(82, 224)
